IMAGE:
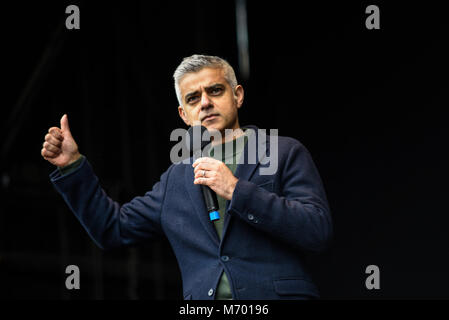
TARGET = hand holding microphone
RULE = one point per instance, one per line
(216, 175)
(213, 175)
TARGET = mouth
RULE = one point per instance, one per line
(210, 117)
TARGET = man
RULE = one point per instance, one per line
(268, 222)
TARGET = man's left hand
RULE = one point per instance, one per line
(215, 174)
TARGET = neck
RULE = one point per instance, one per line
(232, 135)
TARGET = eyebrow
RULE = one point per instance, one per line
(215, 85)
(187, 96)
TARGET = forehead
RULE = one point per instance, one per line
(203, 78)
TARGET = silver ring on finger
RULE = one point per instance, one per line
(204, 173)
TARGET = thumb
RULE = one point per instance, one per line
(65, 123)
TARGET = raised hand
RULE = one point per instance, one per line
(59, 147)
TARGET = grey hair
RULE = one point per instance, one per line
(197, 62)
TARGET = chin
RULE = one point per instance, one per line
(212, 128)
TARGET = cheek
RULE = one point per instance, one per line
(227, 108)
(195, 113)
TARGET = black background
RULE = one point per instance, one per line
(370, 105)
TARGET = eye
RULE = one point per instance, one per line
(191, 99)
(216, 90)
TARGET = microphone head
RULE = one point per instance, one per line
(198, 137)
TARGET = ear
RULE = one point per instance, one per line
(239, 94)
(183, 115)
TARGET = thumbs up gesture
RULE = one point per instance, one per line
(59, 147)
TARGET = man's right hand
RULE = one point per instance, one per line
(59, 147)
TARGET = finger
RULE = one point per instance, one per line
(203, 160)
(210, 175)
(51, 148)
(48, 154)
(202, 181)
(65, 123)
(202, 174)
(52, 140)
(56, 132)
(203, 166)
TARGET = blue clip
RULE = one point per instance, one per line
(214, 215)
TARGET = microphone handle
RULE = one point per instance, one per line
(210, 199)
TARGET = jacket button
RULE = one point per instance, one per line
(224, 258)
(211, 292)
(250, 217)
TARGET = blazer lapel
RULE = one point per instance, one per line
(196, 196)
(246, 169)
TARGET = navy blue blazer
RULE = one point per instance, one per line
(271, 223)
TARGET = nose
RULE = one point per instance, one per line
(205, 101)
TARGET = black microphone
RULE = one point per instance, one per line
(198, 139)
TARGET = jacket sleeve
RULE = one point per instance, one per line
(300, 216)
(107, 223)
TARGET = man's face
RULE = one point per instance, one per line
(209, 100)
